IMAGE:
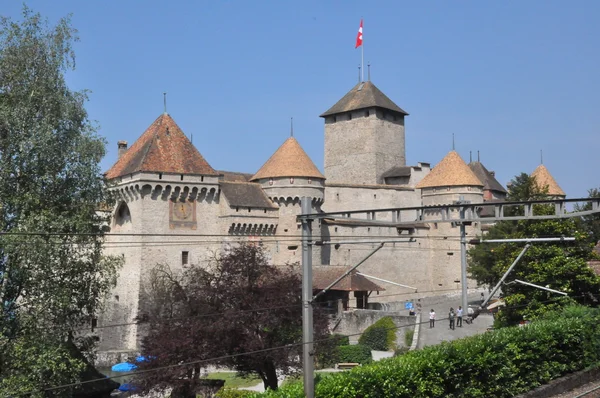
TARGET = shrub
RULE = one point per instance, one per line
(354, 353)
(326, 351)
(501, 363)
(381, 335)
(400, 351)
(234, 393)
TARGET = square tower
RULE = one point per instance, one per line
(364, 136)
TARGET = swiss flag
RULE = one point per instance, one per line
(359, 36)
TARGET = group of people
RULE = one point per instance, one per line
(453, 317)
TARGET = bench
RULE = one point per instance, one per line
(346, 365)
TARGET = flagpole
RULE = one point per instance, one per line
(362, 52)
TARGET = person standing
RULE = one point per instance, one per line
(432, 318)
(451, 318)
(459, 316)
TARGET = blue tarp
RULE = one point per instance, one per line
(127, 387)
(123, 367)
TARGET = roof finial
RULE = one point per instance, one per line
(359, 73)
(470, 156)
(478, 156)
(452, 141)
(165, 102)
(541, 156)
(291, 127)
(369, 71)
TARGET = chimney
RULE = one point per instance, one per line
(493, 173)
(122, 145)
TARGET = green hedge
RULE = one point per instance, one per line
(381, 335)
(501, 363)
(234, 393)
(326, 351)
(354, 353)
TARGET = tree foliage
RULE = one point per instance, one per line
(591, 223)
(560, 266)
(50, 183)
(183, 326)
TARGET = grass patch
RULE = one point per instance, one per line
(232, 380)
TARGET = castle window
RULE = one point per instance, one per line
(201, 178)
(448, 189)
(367, 114)
(309, 181)
(468, 188)
(337, 196)
(122, 218)
(249, 210)
(350, 116)
(160, 176)
(265, 210)
(185, 257)
(237, 209)
(434, 189)
(182, 177)
(291, 180)
(450, 253)
(335, 229)
(374, 196)
(292, 247)
(334, 119)
(270, 181)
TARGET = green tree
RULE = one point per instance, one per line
(53, 276)
(561, 266)
(591, 223)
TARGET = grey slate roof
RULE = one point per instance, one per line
(488, 180)
(363, 95)
(234, 176)
(245, 194)
(400, 171)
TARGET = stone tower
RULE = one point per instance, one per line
(164, 190)
(449, 181)
(364, 136)
(287, 176)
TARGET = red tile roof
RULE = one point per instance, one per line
(162, 148)
(289, 160)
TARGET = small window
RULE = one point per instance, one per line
(182, 177)
(374, 196)
(367, 114)
(237, 209)
(185, 257)
(350, 116)
(293, 247)
(335, 229)
(201, 178)
(335, 119)
(309, 181)
(265, 210)
(450, 253)
(160, 176)
(468, 188)
(249, 210)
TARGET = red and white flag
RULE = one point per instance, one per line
(359, 36)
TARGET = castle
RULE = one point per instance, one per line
(173, 208)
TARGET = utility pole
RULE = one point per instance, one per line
(307, 297)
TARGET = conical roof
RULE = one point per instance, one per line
(450, 171)
(543, 178)
(363, 95)
(488, 180)
(289, 160)
(163, 148)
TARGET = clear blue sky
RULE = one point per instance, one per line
(507, 78)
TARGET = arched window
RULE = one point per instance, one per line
(122, 218)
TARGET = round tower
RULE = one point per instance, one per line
(287, 176)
